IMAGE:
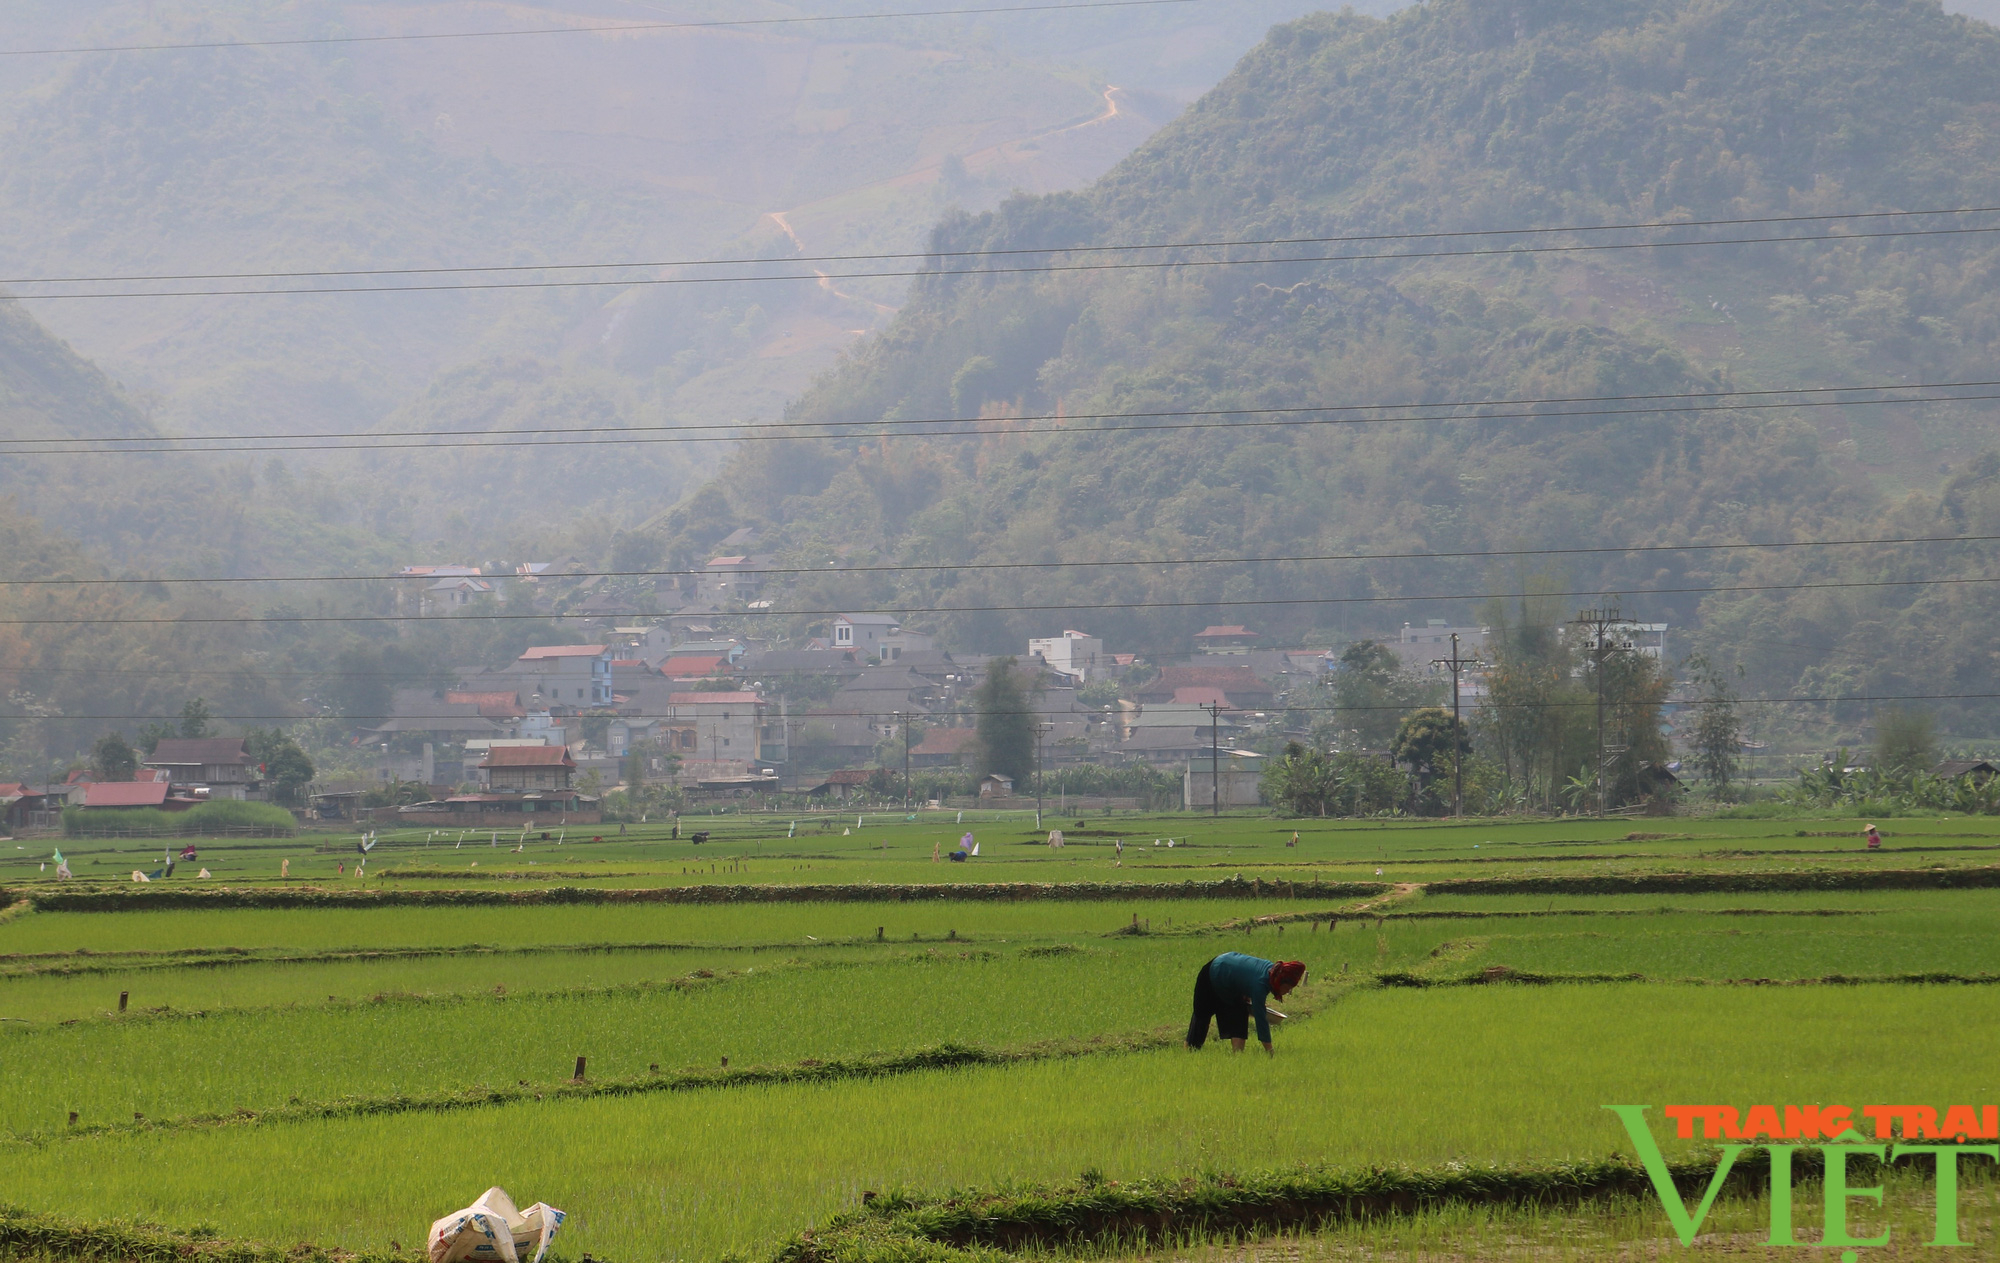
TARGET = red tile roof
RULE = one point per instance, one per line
(125, 794)
(691, 666)
(529, 756)
(1234, 629)
(1201, 696)
(538, 652)
(501, 703)
(1236, 675)
(851, 776)
(698, 698)
(945, 741)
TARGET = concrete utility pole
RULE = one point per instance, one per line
(1458, 664)
(1214, 710)
(1600, 622)
(905, 717)
(1040, 730)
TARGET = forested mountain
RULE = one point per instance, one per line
(1452, 116)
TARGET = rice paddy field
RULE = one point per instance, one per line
(286, 1051)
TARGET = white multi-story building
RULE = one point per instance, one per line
(1419, 647)
(1074, 653)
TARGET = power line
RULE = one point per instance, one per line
(766, 431)
(1830, 585)
(926, 567)
(1139, 265)
(1227, 243)
(1273, 709)
(596, 29)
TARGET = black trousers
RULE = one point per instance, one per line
(1231, 1013)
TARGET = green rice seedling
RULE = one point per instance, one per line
(771, 1012)
(1403, 1077)
(742, 924)
(1685, 945)
(1624, 1228)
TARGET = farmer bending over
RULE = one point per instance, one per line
(1231, 989)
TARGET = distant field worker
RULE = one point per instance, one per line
(1231, 989)
(1874, 838)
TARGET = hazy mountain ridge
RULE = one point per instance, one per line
(653, 146)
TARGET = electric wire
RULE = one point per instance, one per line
(816, 277)
(596, 29)
(1226, 243)
(987, 566)
(290, 619)
(807, 716)
(1038, 424)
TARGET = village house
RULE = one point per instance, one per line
(879, 636)
(25, 807)
(1419, 648)
(842, 785)
(722, 732)
(522, 769)
(737, 577)
(1076, 655)
(1230, 639)
(448, 595)
(127, 795)
(526, 787)
(1233, 687)
(561, 675)
(944, 747)
(211, 767)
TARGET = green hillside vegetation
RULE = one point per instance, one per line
(1459, 115)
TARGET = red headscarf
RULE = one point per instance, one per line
(1287, 974)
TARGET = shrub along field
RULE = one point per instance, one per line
(342, 1070)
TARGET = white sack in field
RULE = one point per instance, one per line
(491, 1230)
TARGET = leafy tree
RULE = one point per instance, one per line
(1428, 742)
(1004, 701)
(640, 758)
(1905, 741)
(1531, 718)
(1635, 697)
(1370, 690)
(1099, 693)
(1301, 782)
(194, 718)
(1714, 736)
(284, 763)
(289, 771)
(113, 758)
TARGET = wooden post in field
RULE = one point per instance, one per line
(123, 998)
(579, 1070)
(878, 934)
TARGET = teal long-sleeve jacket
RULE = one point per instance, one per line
(1236, 974)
